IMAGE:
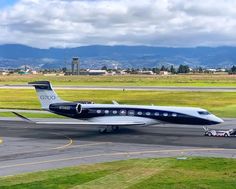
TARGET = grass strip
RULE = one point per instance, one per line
(197, 80)
(222, 104)
(192, 173)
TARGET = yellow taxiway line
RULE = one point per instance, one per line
(89, 144)
(113, 154)
(69, 144)
(63, 146)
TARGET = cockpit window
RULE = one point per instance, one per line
(204, 113)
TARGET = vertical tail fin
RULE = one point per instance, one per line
(45, 93)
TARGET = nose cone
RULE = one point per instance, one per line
(216, 119)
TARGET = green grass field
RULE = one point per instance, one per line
(128, 80)
(222, 104)
(31, 115)
(164, 173)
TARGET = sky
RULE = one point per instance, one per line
(72, 23)
(5, 3)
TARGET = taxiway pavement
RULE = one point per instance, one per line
(27, 147)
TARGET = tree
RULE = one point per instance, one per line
(232, 70)
(183, 69)
(156, 70)
(104, 68)
(128, 70)
(163, 68)
(172, 70)
(64, 69)
(200, 70)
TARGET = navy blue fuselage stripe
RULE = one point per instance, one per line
(163, 116)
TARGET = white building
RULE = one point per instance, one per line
(164, 73)
(146, 72)
(97, 72)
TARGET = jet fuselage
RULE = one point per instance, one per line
(137, 113)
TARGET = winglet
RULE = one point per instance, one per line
(114, 102)
(23, 118)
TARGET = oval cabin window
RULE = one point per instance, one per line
(148, 113)
(165, 114)
(140, 113)
(156, 114)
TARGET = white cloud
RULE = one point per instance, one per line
(51, 23)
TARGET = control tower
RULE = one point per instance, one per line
(75, 66)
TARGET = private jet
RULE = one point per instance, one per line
(109, 117)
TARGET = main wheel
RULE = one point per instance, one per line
(115, 128)
(210, 134)
(226, 135)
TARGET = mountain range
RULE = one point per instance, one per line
(96, 56)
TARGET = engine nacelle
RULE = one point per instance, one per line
(66, 108)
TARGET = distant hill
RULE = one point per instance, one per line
(96, 56)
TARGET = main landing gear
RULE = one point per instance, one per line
(108, 129)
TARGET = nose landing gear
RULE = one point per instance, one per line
(109, 129)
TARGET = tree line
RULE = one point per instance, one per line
(157, 70)
(181, 69)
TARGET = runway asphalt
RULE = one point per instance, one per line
(142, 88)
(27, 147)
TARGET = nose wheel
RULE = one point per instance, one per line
(109, 129)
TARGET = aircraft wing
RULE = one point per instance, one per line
(92, 123)
(127, 123)
(25, 111)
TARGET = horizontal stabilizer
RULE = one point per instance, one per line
(41, 85)
(23, 117)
